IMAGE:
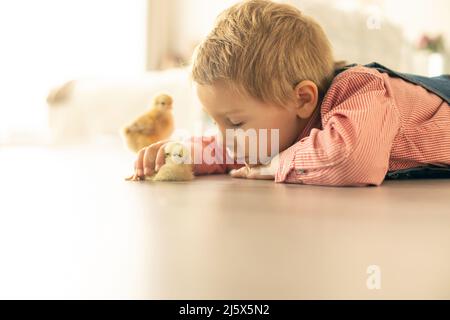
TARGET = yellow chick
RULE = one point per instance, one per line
(155, 125)
(177, 165)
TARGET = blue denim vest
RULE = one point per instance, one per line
(438, 85)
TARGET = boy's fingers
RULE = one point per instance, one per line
(150, 155)
(160, 158)
(250, 173)
(138, 165)
(134, 177)
(239, 173)
(149, 160)
(256, 173)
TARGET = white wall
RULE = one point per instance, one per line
(46, 42)
(419, 16)
(402, 21)
(195, 19)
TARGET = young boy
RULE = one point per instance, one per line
(267, 66)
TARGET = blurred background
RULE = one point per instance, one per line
(76, 71)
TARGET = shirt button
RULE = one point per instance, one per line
(300, 171)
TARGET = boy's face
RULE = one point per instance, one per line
(233, 111)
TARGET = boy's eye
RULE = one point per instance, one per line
(235, 123)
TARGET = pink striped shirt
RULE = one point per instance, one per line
(368, 123)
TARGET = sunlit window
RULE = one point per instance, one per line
(46, 42)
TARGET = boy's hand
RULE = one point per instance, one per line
(149, 160)
(261, 172)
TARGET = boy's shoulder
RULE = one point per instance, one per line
(355, 80)
(358, 71)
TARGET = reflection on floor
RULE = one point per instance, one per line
(71, 227)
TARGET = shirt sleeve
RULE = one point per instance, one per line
(353, 148)
(210, 156)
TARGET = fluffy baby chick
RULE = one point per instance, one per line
(155, 125)
(177, 165)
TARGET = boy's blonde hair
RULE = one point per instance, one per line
(264, 49)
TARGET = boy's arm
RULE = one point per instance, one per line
(353, 148)
(209, 156)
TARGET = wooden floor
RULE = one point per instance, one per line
(71, 227)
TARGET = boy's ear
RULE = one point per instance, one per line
(306, 98)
